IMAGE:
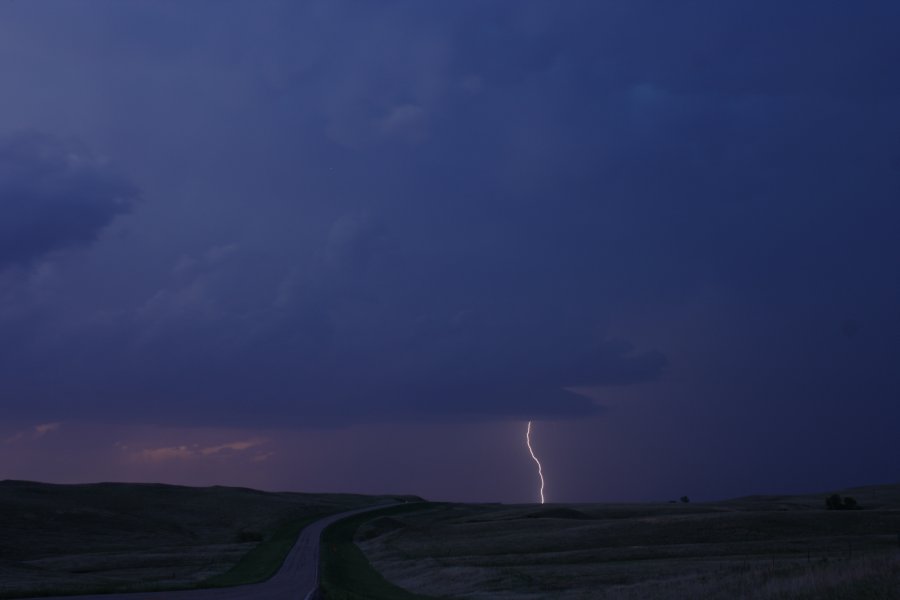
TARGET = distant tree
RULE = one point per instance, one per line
(685, 499)
(834, 502)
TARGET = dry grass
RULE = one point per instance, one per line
(126, 537)
(866, 579)
(770, 548)
(345, 572)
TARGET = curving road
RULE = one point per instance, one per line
(296, 580)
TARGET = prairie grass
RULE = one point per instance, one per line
(863, 579)
(346, 574)
(765, 547)
(266, 557)
(64, 539)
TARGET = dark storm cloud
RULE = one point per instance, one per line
(412, 210)
(53, 195)
(371, 333)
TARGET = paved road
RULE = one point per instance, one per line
(295, 581)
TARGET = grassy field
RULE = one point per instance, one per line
(126, 537)
(346, 574)
(265, 558)
(765, 547)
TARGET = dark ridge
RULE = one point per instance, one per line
(558, 513)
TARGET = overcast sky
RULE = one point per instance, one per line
(355, 246)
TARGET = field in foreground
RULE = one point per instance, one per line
(766, 547)
(128, 537)
(118, 537)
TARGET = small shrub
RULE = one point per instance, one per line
(685, 499)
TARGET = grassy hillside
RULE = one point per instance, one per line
(345, 572)
(105, 537)
(767, 547)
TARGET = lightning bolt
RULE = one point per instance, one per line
(535, 458)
